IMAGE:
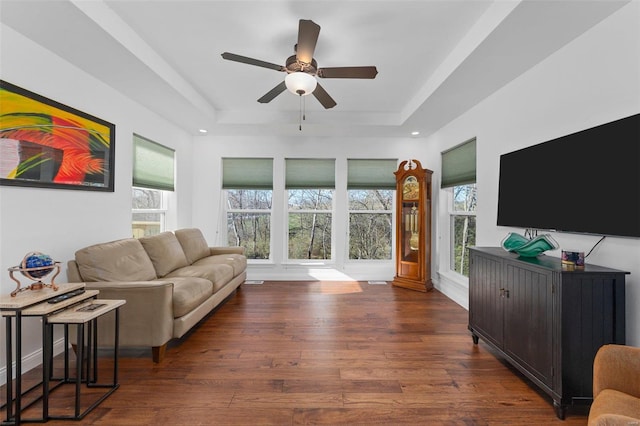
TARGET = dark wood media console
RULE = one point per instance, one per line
(547, 322)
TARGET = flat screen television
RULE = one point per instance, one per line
(585, 182)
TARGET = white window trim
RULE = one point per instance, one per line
(163, 210)
(444, 240)
(451, 273)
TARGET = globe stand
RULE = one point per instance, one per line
(39, 285)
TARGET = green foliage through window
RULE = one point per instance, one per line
(370, 224)
(463, 226)
(310, 223)
(249, 221)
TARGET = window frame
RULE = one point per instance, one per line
(162, 211)
(228, 210)
(289, 211)
(452, 214)
(390, 212)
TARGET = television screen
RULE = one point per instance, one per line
(585, 182)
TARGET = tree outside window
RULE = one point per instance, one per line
(463, 226)
(310, 216)
(249, 221)
(370, 224)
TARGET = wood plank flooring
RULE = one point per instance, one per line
(289, 353)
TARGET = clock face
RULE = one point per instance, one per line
(410, 188)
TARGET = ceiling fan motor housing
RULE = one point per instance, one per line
(294, 65)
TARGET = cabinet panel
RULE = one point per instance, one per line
(528, 319)
(590, 319)
(485, 305)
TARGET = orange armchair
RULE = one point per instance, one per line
(616, 386)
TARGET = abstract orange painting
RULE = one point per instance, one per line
(44, 143)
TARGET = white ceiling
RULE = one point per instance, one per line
(436, 59)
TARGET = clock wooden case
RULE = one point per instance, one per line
(413, 227)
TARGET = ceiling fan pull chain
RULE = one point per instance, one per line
(300, 116)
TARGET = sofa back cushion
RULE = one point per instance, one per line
(193, 243)
(122, 260)
(165, 252)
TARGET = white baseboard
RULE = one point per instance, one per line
(453, 289)
(31, 361)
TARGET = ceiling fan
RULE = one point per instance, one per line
(302, 68)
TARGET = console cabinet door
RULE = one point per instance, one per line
(529, 319)
(485, 303)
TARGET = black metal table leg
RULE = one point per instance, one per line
(9, 384)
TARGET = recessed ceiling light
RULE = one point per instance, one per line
(203, 131)
(416, 133)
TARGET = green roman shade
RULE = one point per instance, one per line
(371, 174)
(153, 165)
(459, 165)
(247, 173)
(303, 173)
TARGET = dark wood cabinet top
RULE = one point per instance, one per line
(545, 261)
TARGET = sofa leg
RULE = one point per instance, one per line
(158, 353)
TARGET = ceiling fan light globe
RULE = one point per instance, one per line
(300, 83)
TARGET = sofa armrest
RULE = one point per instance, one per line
(147, 317)
(617, 367)
(225, 250)
(73, 272)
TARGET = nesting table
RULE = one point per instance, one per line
(82, 311)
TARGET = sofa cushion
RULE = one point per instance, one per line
(193, 244)
(122, 260)
(165, 252)
(612, 407)
(189, 293)
(237, 261)
(219, 275)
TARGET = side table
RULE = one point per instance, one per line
(14, 308)
(81, 315)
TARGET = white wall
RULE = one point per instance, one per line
(591, 81)
(209, 212)
(59, 222)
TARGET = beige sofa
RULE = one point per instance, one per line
(616, 387)
(170, 281)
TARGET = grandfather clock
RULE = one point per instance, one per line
(413, 227)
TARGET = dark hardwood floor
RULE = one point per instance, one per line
(286, 353)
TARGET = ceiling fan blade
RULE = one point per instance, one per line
(268, 97)
(324, 98)
(251, 61)
(308, 32)
(348, 72)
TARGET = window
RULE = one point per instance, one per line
(148, 212)
(459, 177)
(310, 186)
(463, 226)
(153, 176)
(370, 189)
(248, 183)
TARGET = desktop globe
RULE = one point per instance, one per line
(33, 260)
(35, 266)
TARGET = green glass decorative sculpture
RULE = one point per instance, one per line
(525, 247)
